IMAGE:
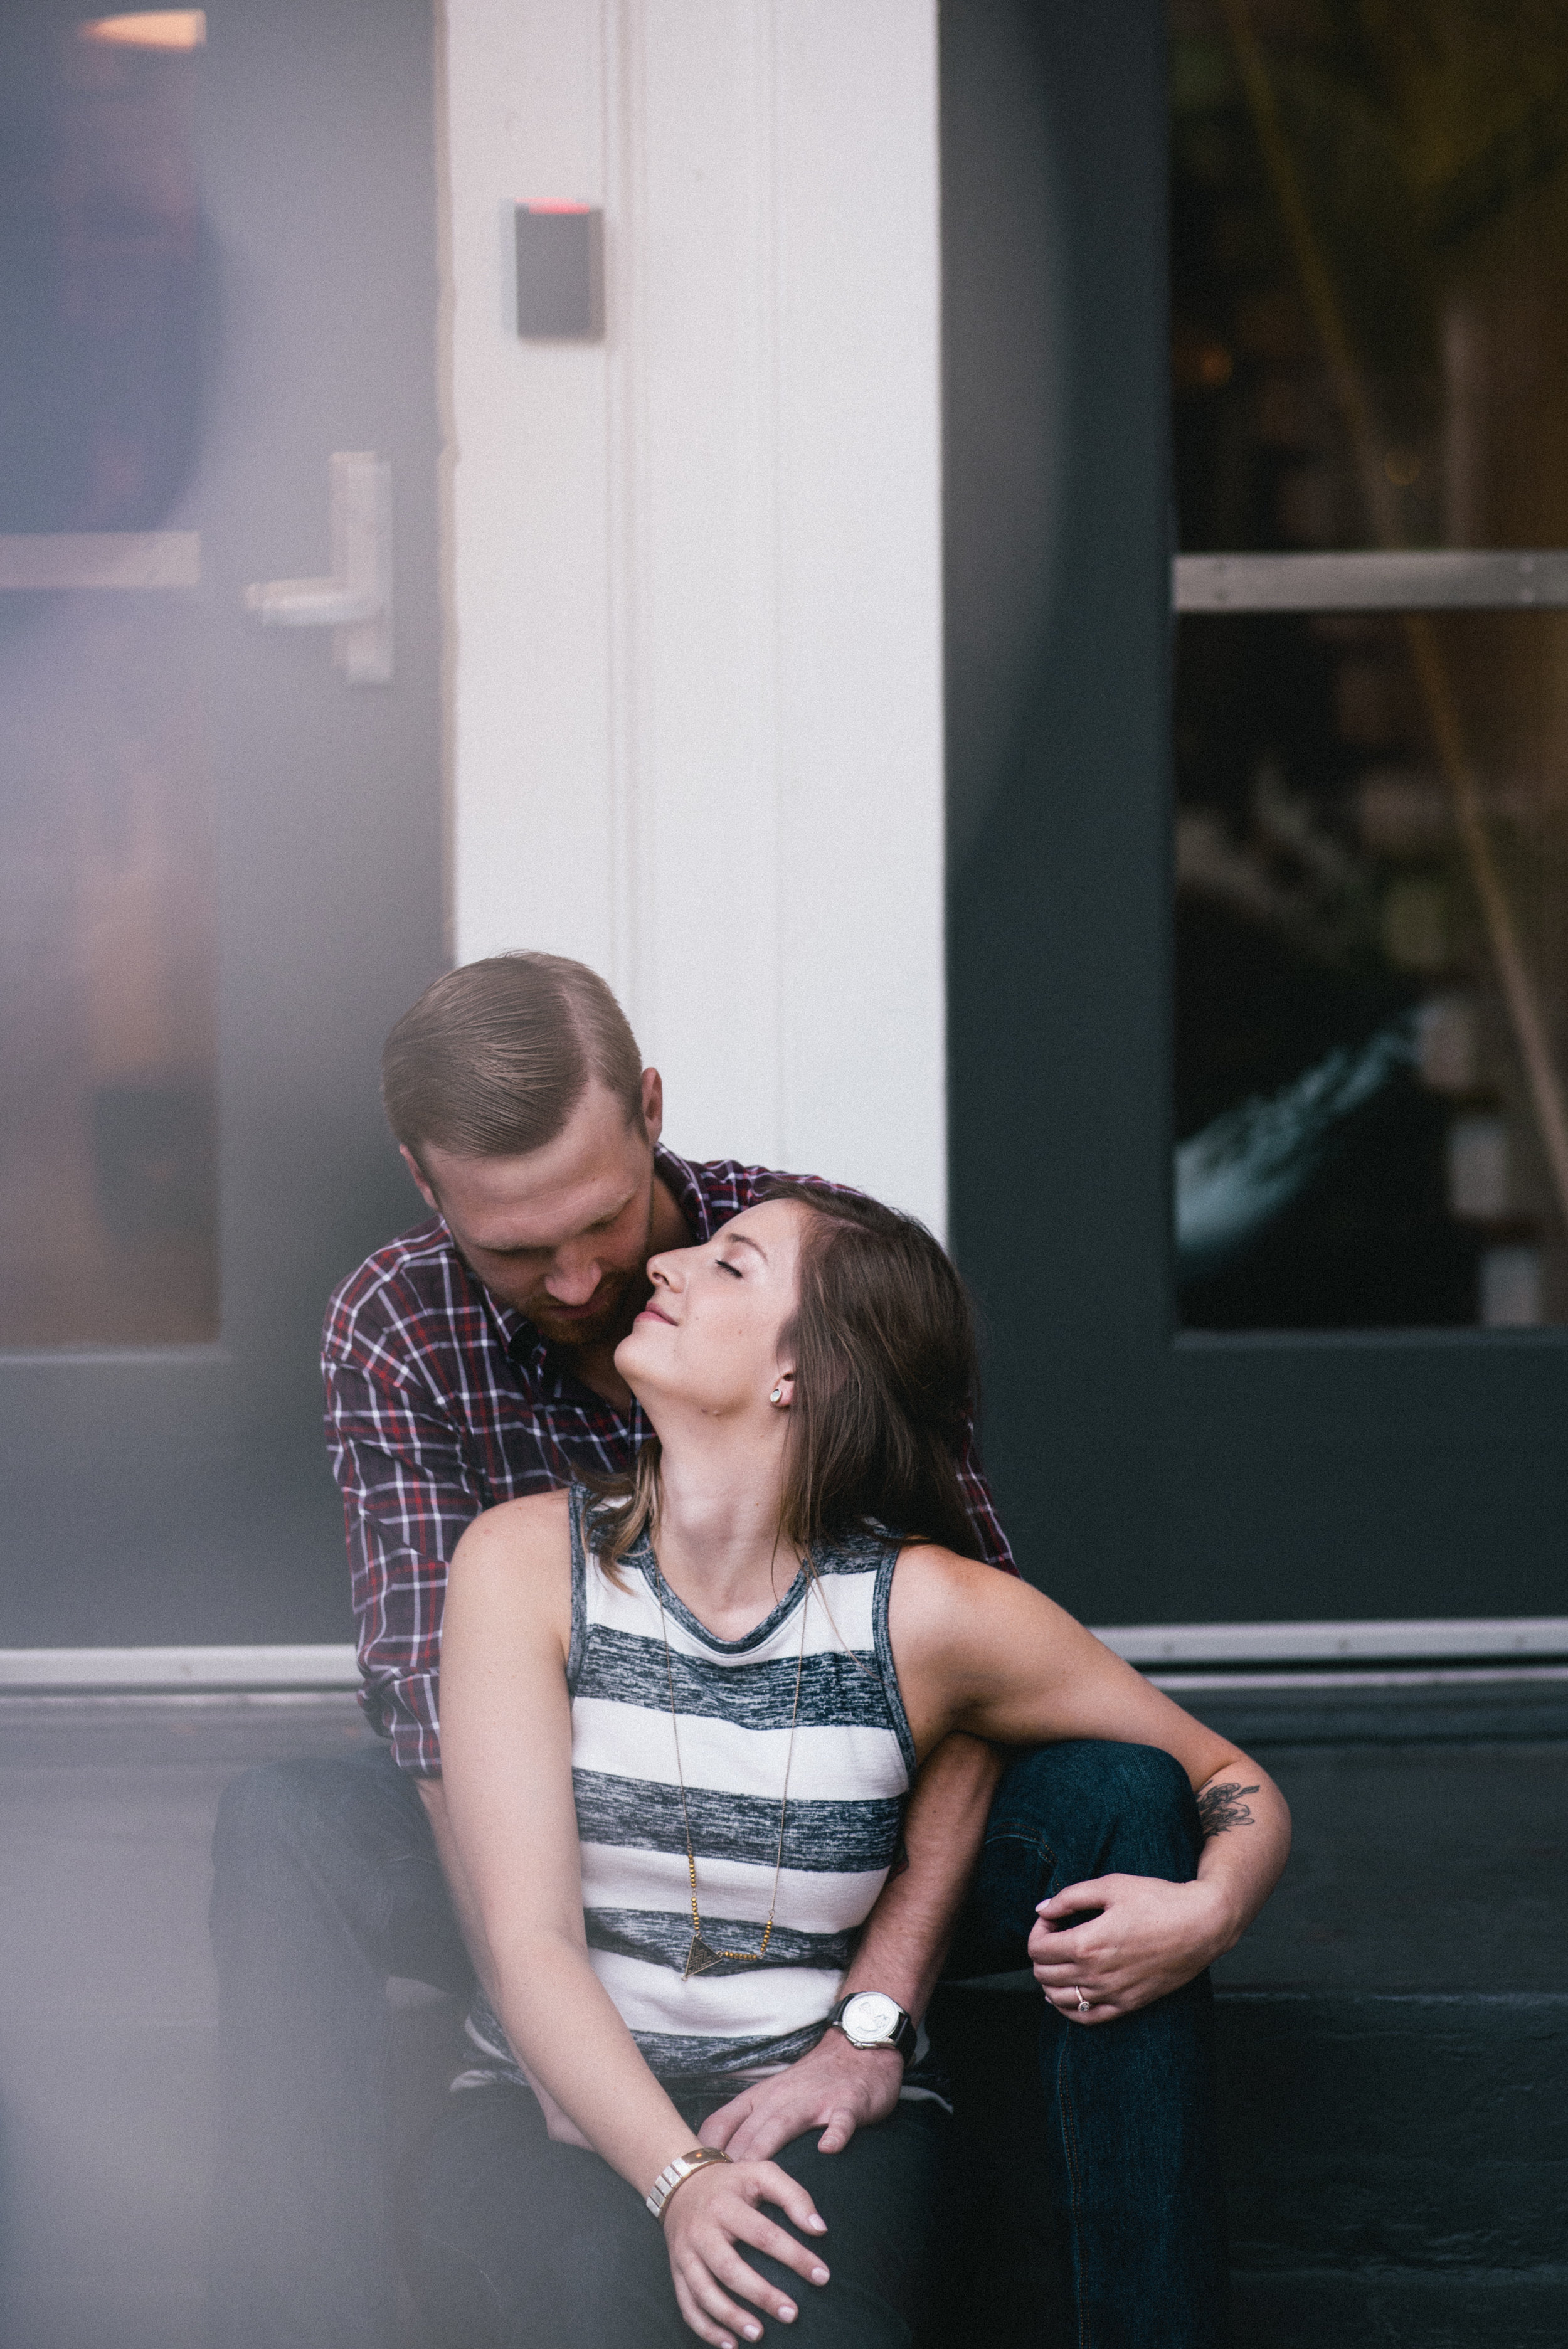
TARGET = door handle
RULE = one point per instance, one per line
(355, 601)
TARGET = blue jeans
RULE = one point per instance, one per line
(326, 1884)
(1128, 2108)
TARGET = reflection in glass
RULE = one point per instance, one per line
(1370, 250)
(108, 1048)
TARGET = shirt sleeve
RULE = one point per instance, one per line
(407, 1495)
(994, 1546)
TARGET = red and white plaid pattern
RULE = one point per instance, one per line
(440, 1403)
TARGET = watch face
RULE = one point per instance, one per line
(872, 2019)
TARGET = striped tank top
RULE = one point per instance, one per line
(852, 1762)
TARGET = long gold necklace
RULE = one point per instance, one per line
(700, 1957)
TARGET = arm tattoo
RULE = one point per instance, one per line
(1219, 1807)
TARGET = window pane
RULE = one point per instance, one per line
(107, 1213)
(1370, 250)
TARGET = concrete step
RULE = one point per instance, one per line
(1393, 2033)
(108, 2008)
(1392, 2038)
(1397, 2165)
(1381, 2131)
(1408, 2309)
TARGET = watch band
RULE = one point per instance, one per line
(904, 2039)
(675, 2173)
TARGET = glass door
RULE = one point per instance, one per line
(220, 838)
(1258, 858)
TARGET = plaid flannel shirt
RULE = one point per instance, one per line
(440, 1401)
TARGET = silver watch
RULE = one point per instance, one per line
(869, 2018)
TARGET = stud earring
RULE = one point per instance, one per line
(777, 1395)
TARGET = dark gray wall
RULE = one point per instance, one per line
(1053, 199)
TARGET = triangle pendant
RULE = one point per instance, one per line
(700, 1958)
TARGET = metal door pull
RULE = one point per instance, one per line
(355, 602)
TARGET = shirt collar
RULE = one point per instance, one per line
(683, 1182)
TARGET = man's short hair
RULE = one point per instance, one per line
(494, 1057)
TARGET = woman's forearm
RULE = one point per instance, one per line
(506, 1829)
(561, 2024)
(1247, 1840)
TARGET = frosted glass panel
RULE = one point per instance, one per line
(107, 1044)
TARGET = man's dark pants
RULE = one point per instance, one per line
(327, 1885)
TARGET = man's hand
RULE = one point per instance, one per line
(1149, 1938)
(835, 2088)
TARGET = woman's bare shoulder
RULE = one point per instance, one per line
(510, 1577)
(941, 1597)
(534, 1531)
(936, 1574)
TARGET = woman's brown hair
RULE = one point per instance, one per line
(883, 1340)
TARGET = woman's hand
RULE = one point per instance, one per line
(1147, 1939)
(712, 2211)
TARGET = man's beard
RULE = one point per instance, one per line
(611, 1319)
(622, 1302)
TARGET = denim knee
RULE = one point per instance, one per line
(338, 1832)
(256, 1814)
(1103, 1808)
(277, 1808)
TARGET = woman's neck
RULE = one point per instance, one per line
(718, 1538)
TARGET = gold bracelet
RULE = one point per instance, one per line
(676, 2172)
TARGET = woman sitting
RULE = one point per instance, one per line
(679, 1717)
